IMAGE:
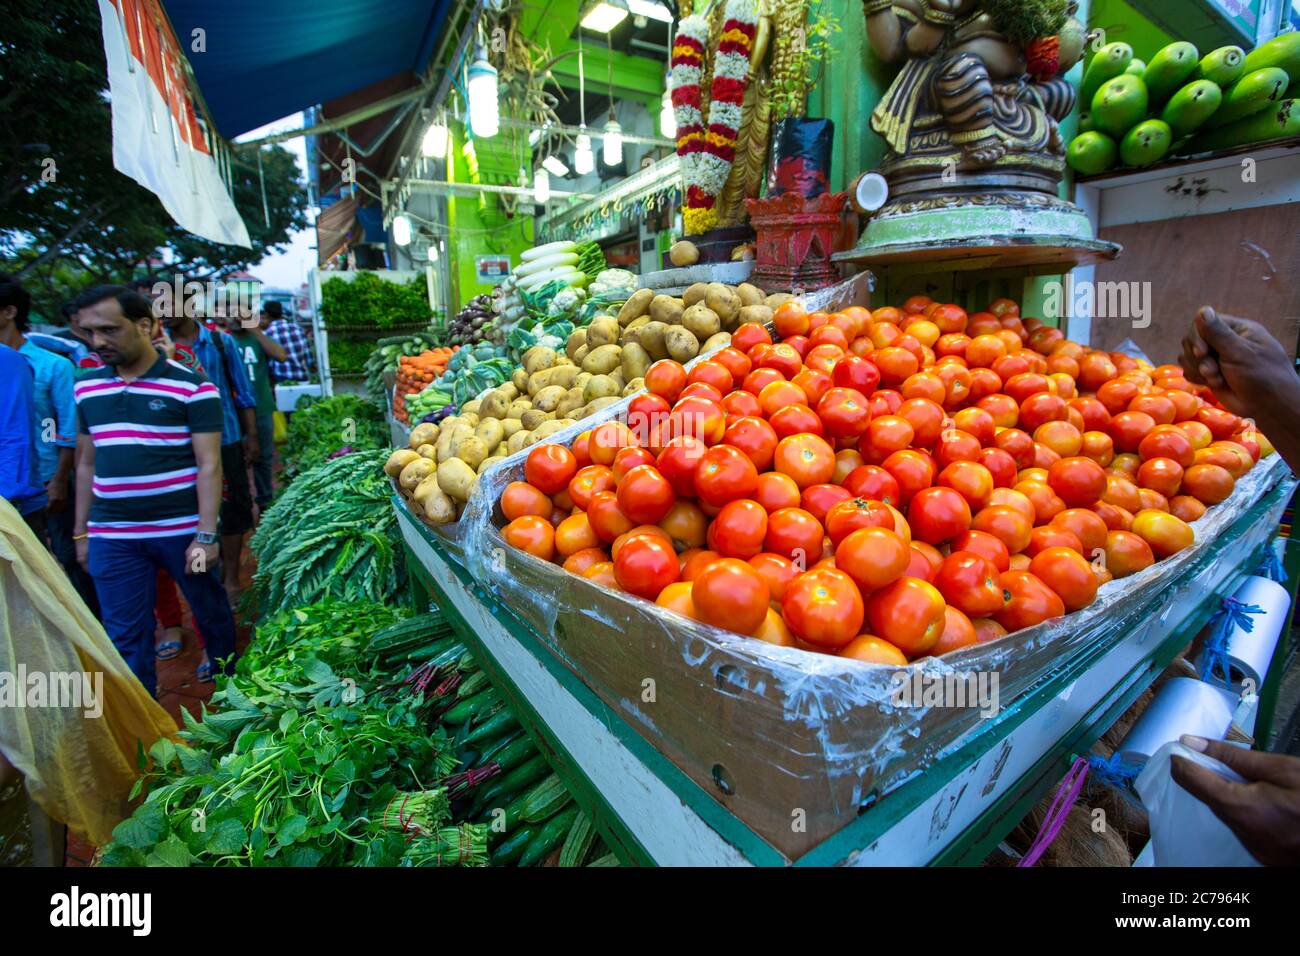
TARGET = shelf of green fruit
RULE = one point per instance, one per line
(1180, 103)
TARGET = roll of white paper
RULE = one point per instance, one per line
(1250, 652)
(1183, 705)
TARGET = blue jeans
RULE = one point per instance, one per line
(125, 574)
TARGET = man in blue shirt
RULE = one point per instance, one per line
(55, 426)
(218, 357)
(19, 478)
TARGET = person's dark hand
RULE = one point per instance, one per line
(1264, 813)
(82, 546)
(56, 489)
(200, 558)
(1245, 366)
(252, 448)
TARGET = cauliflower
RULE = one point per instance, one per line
(614, 280)
(566, 302)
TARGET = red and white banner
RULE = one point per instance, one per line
(156, 136)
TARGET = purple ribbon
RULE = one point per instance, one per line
(1066, 794)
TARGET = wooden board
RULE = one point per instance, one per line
(1245, 262)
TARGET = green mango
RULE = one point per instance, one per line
(1110, 61)
(1222, 66)
(1250, 94)
(1168, 70)
(1191, 106)
(1146, 143)
(1119, 105)
(1091, 153)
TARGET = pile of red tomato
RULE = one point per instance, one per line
(885, 484)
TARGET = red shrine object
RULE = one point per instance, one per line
(796, 236)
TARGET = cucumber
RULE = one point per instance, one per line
(579, 841)
(513, 846)
(1250, 94)
(448, 656)
(1222, 66)
(1168, 70)
(546, 799)
(609, 859)
(466, 709)
(472, 684)
(520, 749)
(548, 836)
(1119, 105)
(1191, 106)
(491, 748)
(1283, 51)
(425, 652)
(1091, 153)
(1109, 62)
(1272, 123)
(1146, 143)
(411, 632)
(508, 786)
(501, 722)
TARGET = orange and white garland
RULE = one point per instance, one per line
(707, 152)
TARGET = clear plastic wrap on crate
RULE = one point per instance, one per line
(777, 733)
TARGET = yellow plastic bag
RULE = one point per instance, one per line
(280, 428)
(78, 757)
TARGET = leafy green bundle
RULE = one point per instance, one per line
(371, 302)
(330, 534)
(322, 426)
(303, 759)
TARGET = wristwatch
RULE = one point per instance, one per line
(205, 537)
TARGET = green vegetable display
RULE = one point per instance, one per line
(322, 426)
(371, 302)
(385, 354)
(330, 534)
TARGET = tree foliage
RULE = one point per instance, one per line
(68, 218)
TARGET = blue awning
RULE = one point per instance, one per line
(265, 59)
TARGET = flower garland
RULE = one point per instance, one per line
(708, 152)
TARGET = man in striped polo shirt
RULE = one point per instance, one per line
(148, 482)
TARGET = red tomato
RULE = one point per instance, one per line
(795, 534)
(778, 395)
(938, 514)
(732, 595)
(925, 417)
(813, 383)
(818, 500)
(795, 420)
(749, 335)
(702, 390)
(857, 373)
(1166, 534)
(1006, 523)
(520, 498)
(1067, 573)
(823, 607)
(886, 435)
(645, 495)
(808, 459)
(912, 471)
(606, 440)
(1086, 525)
(739, 529)
(713, 373)
(908, 614)
(1001, 466)
(587, 482)
(755, 437)
(548, 468)
(844, 412)
(776, 491)
(740, 403)
(823, 357)
(958, 632)
(581, 449)
(724, 474)
(575, 534)
(760, 378)
(1127, 553)
(971, 480)
(1208, 484)
(699, 417)
(644, 412)
(1222, 424)
(580, 561)
(777, 571)
(969, 582)
(781, 357)
(626, 459)
(1127, 429)
(679, 461)
(986, 546)
(1078, 481)
(1167, 441)
(872, 481)
(853, 513)
(1052, 536)
(607, 519)
(686, 524)
(1018, 444)
(645, 565)
(1041, 407)
(873, 557)
(1031, 601)
(694, 561)
(666, 378)
(790, 319)
(532, 534)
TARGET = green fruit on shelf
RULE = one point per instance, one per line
(1085, 122)
(1119, 105)
(1169, 69)
(1109, 62)
(1222, 66)
(1192, 106)
(1146, 143)
(1091, 153)
(1136, 67)
(1281, 119)
(1250, 94)
(1282, 51)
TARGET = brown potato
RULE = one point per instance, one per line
(577, 339)
(682, 345)
(414, 473)
(456, 479)
(701, 321)
(715, 342)
(666, 309)
(533, 418)
(760, 314)
(423, 434)
(695, 293)
(399, 460)
(750, 294)
(722, 300)
(634, 360)
(636, 306)
(651, 338)
(602, 331)
(683, 253)
(602, 361)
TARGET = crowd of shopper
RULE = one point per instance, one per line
(126, 444)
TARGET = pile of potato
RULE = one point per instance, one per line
(601, 363)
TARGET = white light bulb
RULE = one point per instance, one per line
(613, 144)
(584, 160)
(603, 17)
(433, 252)
(484, 109)
(435, 141)
(555, 166)
(402, 231)
(541, 186)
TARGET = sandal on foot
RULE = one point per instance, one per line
(167, 650)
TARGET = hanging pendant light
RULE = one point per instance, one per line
(484, 108)
(613, 144)
(433, 252)
(402, 231)
(584, 160)
(541, 186)
(434, 145)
